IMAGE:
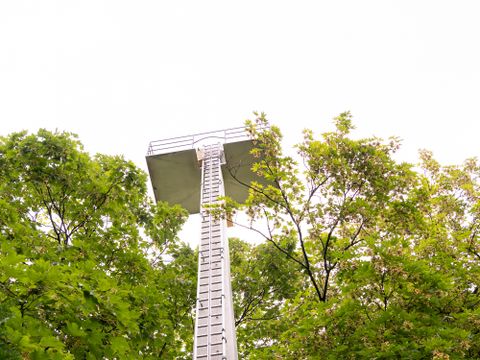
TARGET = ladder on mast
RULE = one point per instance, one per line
(214, 326)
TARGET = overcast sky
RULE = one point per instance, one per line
(123, 73)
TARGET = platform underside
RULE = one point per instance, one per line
(176, 176)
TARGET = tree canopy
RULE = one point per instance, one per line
(90, 268)
(364, 257)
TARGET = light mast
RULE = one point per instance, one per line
(194, 171)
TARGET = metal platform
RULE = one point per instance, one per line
(175, 171)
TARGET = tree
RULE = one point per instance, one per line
(364, 257)
(90, 268)
(385, 255)
(261, 281)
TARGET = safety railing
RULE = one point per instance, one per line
(188, 142)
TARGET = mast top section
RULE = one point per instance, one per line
(174, 166)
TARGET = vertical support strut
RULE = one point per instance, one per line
(215, 337)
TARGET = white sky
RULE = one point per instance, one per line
(121, 73)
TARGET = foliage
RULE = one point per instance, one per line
(365, 257)
(261, 280)
(89, 267)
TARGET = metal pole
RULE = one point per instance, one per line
(215, 337)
